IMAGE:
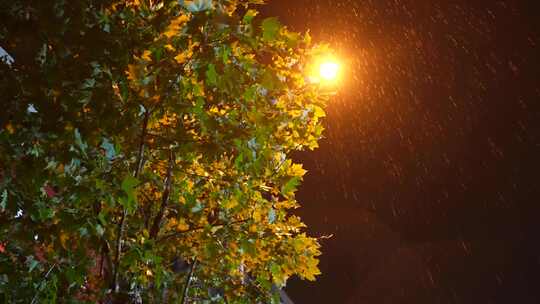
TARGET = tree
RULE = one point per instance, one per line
(144, 152)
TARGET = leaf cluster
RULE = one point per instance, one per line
(144, 152)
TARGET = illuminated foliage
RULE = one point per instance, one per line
(143, 152)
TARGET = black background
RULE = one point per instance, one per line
(428, 175)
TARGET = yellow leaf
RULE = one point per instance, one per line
(132, 72)
(296, 170)
(63, 239)
(169, 47)
(155, 98)
(181, 58)
(175, 26)
(146, 55)
(230, 203)
(253, 228)
(9, 128)
(318, 112)
(257, 216)
(182, 225)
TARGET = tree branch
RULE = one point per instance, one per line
(34, 299)
(176, 234)
(122, 223)
(164, 198)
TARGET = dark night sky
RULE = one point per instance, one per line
(428, 176)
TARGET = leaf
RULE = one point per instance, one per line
(248, 247)
(78, 141)
(182, 225)
(99, 230)
(250, 94)
(31, 263)
(5, 57)
(229, 203)
(146, 55)
(250, 14)
(292, 39)
(110, 152)
(3, 201)
(225, 54)
(290, 185)
(296, 170)
(195, 6)
(174, 27)
(239, 160)
(181, 57)
(49, 191)
(211, 74)
(270, 28)
(127, 203)
(197, 208)
(31, 109)
(272, 216)
(318, 112)
(128, 185)
(88, 83)
(277, 274)
(269, 80)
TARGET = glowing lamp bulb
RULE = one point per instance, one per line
(329, 70)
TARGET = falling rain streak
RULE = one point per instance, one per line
(428, 174)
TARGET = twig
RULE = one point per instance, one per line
(44, 278)
(188, 282)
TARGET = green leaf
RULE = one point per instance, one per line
(197, 208)
(238, 161)
(78, 141)
(272, 216)
(99, 230)
(250, 94)
(45, 213)
(128, 185)
(31, 263)
(290, 185)
(275, 269)
(110, 152)
(3, 201)
(101, 218)
(88, 83)
(248, 246)
(270, 28)
(292, 39)
(250, 14)
(195, 6)
(83, 231)
(211, 74)
(85, 97)
(269, 80)
(127, 203)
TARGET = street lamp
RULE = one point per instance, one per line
(325, 71)
(329, 70)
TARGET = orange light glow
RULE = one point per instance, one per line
(325, 71)
(329, 70)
